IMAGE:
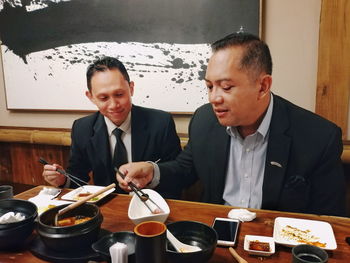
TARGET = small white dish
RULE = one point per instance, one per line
(249, 239)
(76, 194)
(294, 231)
(138, 211)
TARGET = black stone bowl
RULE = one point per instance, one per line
(26, 208)
(195, 234)
(69, 238)
(102, 246)
(15, 237)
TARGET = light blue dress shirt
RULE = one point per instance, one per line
(246, 165)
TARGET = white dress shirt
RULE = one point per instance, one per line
(246, 165)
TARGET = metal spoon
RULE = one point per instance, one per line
(179, 246)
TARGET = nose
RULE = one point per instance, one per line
(215, 97)
(114, 103)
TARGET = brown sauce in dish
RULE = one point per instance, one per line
(73, 220)
(259, 246)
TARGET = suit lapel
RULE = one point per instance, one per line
(139, 134)
(277, 156)
(100, 142)
(218, 148)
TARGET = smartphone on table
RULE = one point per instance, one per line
(227, 230)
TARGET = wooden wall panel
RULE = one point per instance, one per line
(19, 161)
(5, 162)
(333, 78)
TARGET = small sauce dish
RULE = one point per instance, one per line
(259, 245)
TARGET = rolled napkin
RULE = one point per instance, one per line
(50, 191)
(119, 253)
(241, 214)
(11, 217)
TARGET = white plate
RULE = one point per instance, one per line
(74, 194)
(251, 238)
(313, 231)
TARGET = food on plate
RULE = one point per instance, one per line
(85, 194)
(157, 211)
(73, 220)
(301, 236)
(259, 246)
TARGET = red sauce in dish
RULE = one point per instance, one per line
(259, 246)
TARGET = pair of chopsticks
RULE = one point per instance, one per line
(73, 178)
(140, 194)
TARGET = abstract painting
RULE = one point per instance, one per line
(164, 44)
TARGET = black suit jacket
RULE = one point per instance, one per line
(153, 137)
(307, 147)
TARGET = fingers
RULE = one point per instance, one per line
(140, 173)
(51, 175)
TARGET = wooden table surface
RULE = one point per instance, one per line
(115, 212)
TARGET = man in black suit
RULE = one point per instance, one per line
(251, 148)
(146, 134)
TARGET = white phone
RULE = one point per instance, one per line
(227, 229)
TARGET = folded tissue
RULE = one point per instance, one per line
(241, 214)
(11, 217)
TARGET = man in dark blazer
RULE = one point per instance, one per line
(149, 134)
(294, 163)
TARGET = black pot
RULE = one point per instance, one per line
(26, 208)
(15, 237)
(69, 238)
(192, 233)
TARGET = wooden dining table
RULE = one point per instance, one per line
(115, 213)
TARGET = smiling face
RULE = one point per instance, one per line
(111, 93)
(238, 97)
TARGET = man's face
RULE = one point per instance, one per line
(232, 92)
(111, 93)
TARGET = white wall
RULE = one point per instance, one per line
(291, 30)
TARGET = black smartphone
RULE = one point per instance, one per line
(227, 229)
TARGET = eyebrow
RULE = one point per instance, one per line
(220, 80)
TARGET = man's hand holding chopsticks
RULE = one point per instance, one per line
(140, 173)
(52, 176)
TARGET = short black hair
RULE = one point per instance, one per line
(103, 64)
(257, 56)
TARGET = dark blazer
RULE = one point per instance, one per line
(307, 147)
(153, 137)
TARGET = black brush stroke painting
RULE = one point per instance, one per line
(163, 43)
(146, 21)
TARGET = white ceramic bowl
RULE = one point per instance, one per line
(138, 212)
(264, 239)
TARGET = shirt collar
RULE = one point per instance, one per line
(125, 126)
(263, 127)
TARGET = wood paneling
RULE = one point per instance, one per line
(333, 78)
(19, 161)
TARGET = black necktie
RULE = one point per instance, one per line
(120, 156)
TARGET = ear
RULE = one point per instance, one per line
(89, 95)
(131, 85)
(265, 85)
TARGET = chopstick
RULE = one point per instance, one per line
(236, 256)
(137, 191)
(61, 171)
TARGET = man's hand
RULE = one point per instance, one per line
(53, 177)
(140, 173)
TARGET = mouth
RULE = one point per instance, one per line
(220, 112)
